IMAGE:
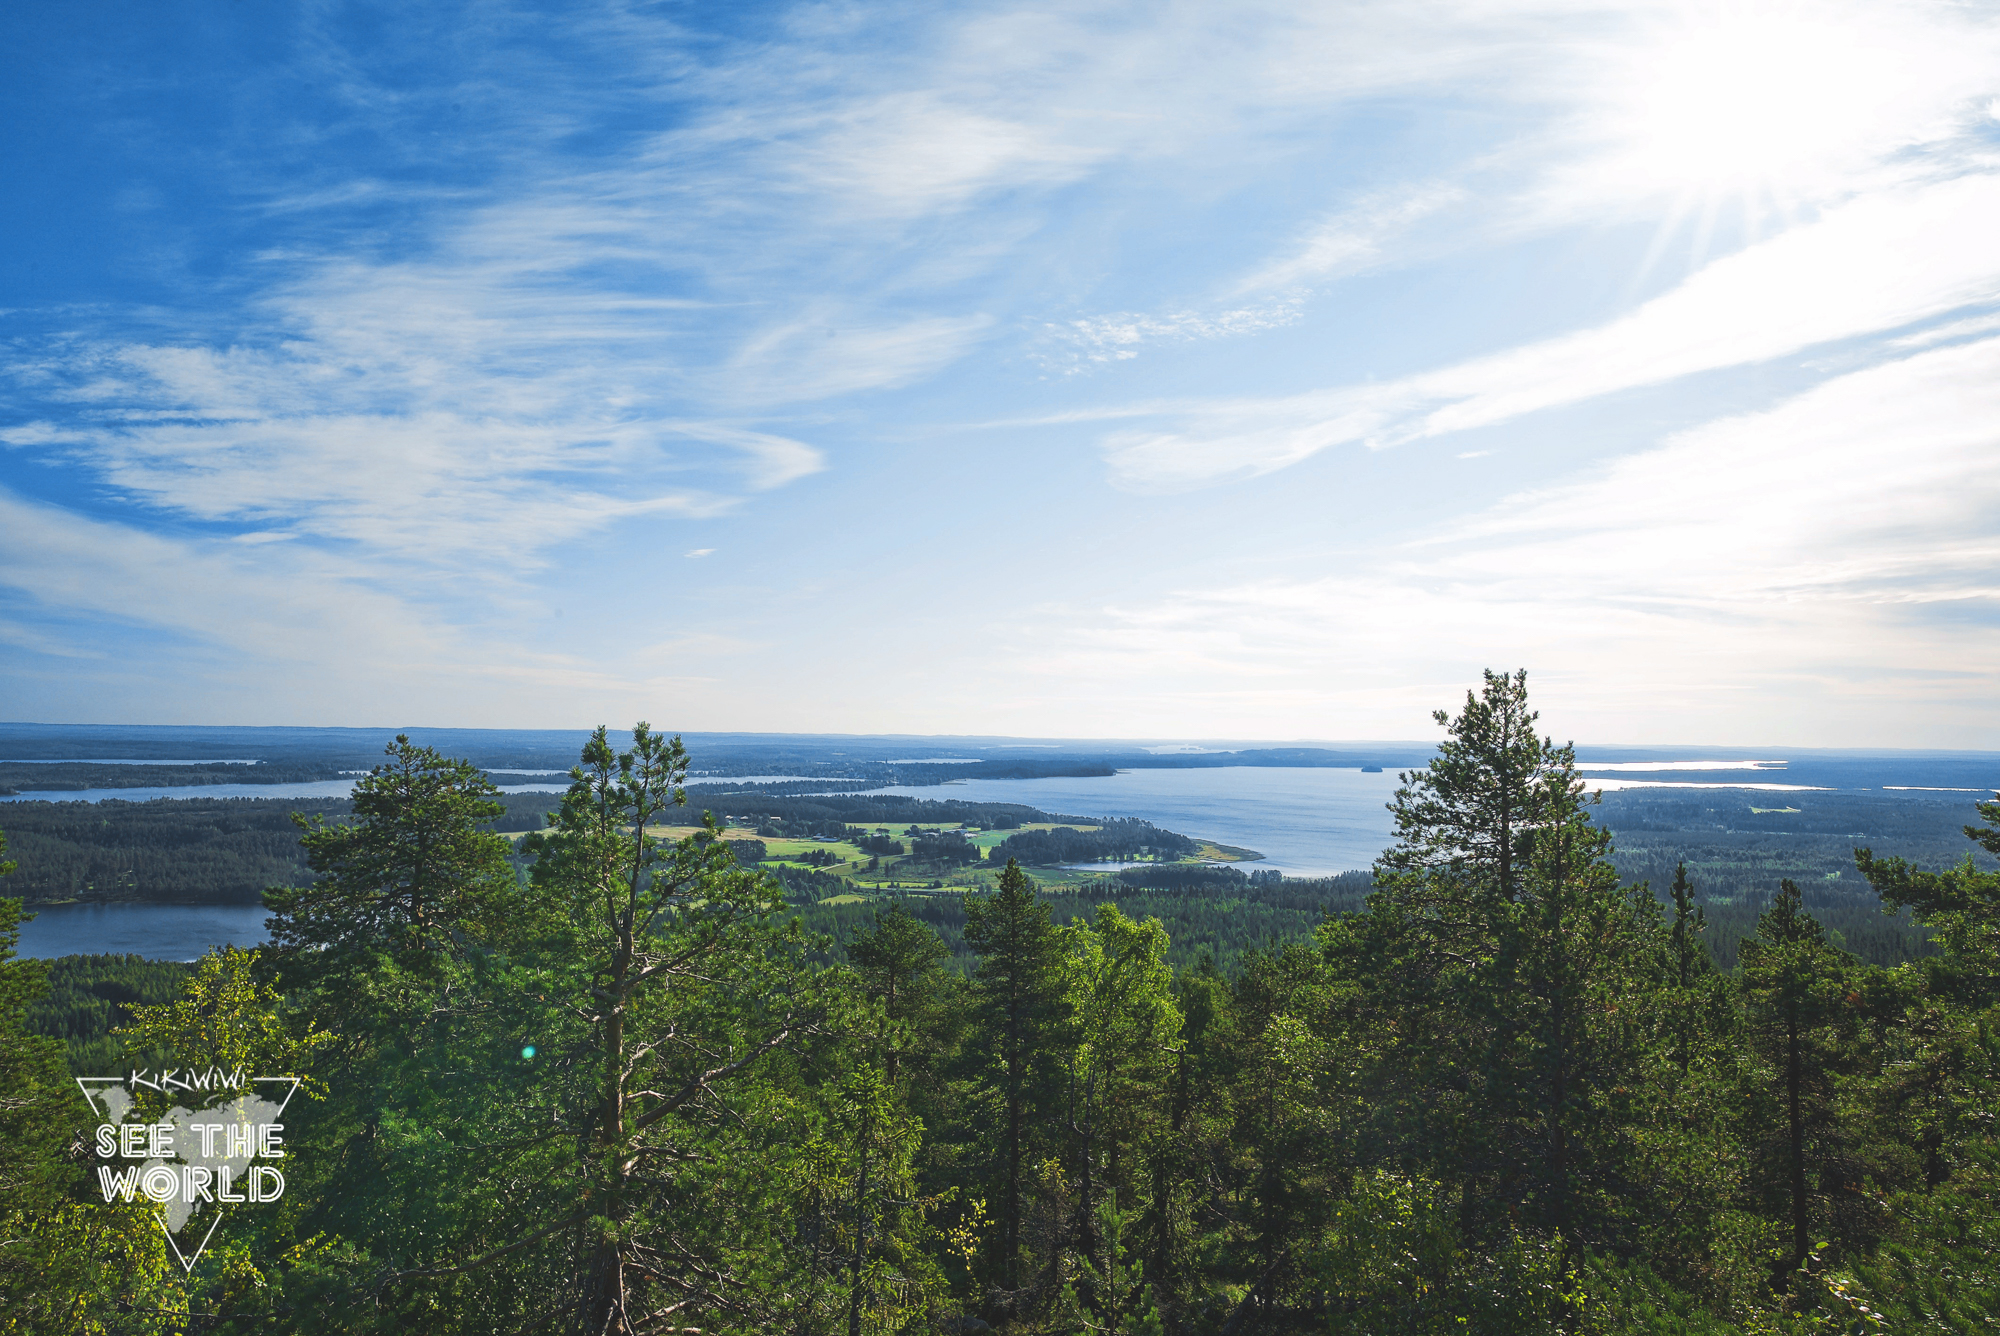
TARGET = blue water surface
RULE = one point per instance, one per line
(1306, 822)
(158, 932)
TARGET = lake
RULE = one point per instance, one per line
(158, 932)
(1306, 822)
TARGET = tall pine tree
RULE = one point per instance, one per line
(1017, 1020)
(1795, 983)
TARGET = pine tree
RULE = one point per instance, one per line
(410, 885)
(1961, 905)
(38, 1109)
(1795, 984)
(1463, 823)
(901, 965)
(1017, 1015)
(678, 986)
(1689, 959)
(1124, 1031)
(1936, 1038)
(1509, 968)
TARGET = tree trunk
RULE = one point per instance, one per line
(1558, 1134)
(1794, 1095)
(1013, 1221)
(605, 1290)
(860, 1238)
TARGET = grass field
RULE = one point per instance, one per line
(903, 875)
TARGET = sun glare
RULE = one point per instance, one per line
(1755, 101)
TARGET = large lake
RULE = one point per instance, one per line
(158, 932)
(1306, 822)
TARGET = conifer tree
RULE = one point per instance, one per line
(1961, 905)
(675, 983)
(900, 962)
(1125, 1027)
(1508, 965)
(38, 1109)
(1689, 958)
(1795, 983)
(1017, 1016)
(407, 887)
(1936, 1042)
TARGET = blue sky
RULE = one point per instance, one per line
(1231, 370)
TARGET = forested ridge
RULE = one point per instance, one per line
(611, 1081)
(71, 776)
(172, 850)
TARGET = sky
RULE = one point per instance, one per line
(1248, 370)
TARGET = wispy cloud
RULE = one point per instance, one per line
(1835, 556)
(1874, 265)
(655, 276)
(1353, 238)
(1078, 345)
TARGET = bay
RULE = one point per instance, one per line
(1307, 822)
(157, 932)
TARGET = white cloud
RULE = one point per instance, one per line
(1079, 345)
(1826, 572)
(1353, 238)
(1873, 265)
(673, 254)
(919, 152)
(297, 610)
(223, 623)
(824, 356)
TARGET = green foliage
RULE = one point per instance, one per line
(408, 879)
(1509, 1092)
(1018, 1013)
(224, 850)
(1796, 988)
(1509, 964)
(226, 1019)
(89, 995)
(1125, 838)
(1118, 1302)
(1391, 1260)
(59, 1266)
(1961, 904)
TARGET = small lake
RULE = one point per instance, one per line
(158, 932)
(1307, 822)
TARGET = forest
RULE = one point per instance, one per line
(611, 1079)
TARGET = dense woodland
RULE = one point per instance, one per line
(71, 776)
(633, 1091)
(88, 997)
(174, 851)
